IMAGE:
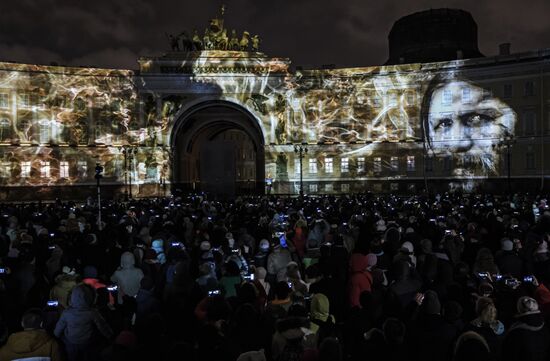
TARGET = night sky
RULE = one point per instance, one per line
(113, 33)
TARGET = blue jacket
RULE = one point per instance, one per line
(80, 323)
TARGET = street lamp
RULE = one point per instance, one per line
(508, 141)
(129, 153)
(301, 150)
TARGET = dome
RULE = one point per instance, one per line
(433, 35)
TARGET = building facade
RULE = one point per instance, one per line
(226, 121)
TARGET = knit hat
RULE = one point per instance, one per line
(205, 246)
(426, 246)
(407, 247)
(527, 306)
(264, 245)
(372, 260)
(543, 247)
(431, 305)
(506, 244)
(381, 226)
(89, 272)
(126, 338)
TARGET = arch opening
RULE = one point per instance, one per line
(218, 148)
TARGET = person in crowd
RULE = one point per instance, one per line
(360, 276)
(528, 338)
(33, 343)
(127, 277)
(64, 284)
(81, 325)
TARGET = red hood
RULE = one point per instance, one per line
(358, 262)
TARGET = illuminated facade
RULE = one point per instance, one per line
(385, 128)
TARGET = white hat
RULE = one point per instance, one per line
(205, 246)
(507, 245)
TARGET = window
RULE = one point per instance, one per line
(447, 133)
(410, 98)
(530, 159)
(312, 188)
(508, 91)
(5, 170)
(466, 96)
(344, 165)
(44, 132)
(82, 168)
(394, 187)
(25, 100)
(4, 100)
(45, 169)
(64, 169)
(447, 97)
(25, 169)
(394, 163)
(487, 93)
(447, 163)
(376, 101)
(529, 122)
(329, 187)
(393, 99)
(377, 165)
(429, 164)
(297, 169)
(529, 88)
(410, 163)
(313, 166)
(377, 187)
(329, 168)
(344, 188)
(466, 130)
(5, 125)
(360, 165)
(467, 160)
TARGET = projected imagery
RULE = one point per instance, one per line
(364, 128)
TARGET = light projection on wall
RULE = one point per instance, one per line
(371, 123)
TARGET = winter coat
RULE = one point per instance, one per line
(509, 262)
(360, 278)
(35, 344)
(146, 303)
(277, 262)
(80, 323)
(127, 277)
(527, 340)
(64, 283)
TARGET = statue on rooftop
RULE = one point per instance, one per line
(197, 41)
(255, 43)
(174, 41)
(234, 42)
(244, 41)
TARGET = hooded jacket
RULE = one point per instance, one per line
(527, 340)
(64, 283)
(79, 323)
(360, 278)
(31, 344)
(127, 277)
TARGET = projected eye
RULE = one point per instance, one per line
(475, 119)
(444, 123)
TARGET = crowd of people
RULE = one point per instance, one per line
(361, 277)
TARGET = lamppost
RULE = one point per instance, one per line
(98, 176)
(508, 141)
(301, 150)
(129, 153)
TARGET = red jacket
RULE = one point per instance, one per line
(360, 278)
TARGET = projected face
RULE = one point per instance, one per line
(468, 124)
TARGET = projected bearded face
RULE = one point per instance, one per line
(468, 125)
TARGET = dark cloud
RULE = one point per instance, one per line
(110, 33)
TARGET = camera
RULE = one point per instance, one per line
(249, 277)
(213, 293)
(528, 279)
(112, 288)
(52, 303)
